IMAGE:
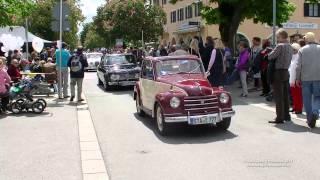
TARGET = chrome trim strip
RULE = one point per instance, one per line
(219, 116)
(190, 105)
(195, 100)
(195, 109)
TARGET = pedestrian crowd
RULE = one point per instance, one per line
(47, 64)
(286, 73)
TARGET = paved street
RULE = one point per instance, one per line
(251, 149)
(45, 146)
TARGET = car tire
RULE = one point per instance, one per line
(99, 81)
(140, 112)
(106, 86)
(162, 127)
(225, 124)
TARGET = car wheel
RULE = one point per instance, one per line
(140, 112)
(162, 126)
(225, 124)
(99, 81)
(106, 86)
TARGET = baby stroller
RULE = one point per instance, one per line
(22, 99)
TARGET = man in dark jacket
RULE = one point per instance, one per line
(77, 63)
(206, 52)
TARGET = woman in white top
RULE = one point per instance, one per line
(295, 89)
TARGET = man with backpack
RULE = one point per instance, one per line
(77, 63)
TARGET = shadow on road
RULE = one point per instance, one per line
(296, 128)
(26, 114)
(184, 134)
(118, 90)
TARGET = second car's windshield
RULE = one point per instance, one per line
(123, 59)
(179, 67)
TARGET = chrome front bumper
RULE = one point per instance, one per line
(122, 83)
(219, 117)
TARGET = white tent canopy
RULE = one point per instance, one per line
(19, 31)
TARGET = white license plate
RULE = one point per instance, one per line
(202, 120)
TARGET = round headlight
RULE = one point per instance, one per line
(224, 98)
(175, 102)
(115, 77)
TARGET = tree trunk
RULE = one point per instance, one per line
(228, 30)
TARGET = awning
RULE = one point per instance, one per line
(19, 31)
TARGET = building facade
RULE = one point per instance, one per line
(184, 22)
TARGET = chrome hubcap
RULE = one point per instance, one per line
(159, 119)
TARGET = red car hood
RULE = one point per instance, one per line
(193, 84)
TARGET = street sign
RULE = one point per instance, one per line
(55, 25)
(56, 10)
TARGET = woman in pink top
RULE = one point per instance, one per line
(4, 85)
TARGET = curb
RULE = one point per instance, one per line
(92, 163)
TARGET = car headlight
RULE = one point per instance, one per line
(175, 102)
(224, 98)
(137, 75)
(115, 77)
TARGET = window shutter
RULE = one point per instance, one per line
(306, 9)
(318, 9)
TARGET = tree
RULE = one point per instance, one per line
(229, 14)
(13, 9)
(93, 40)
(128, 18)
(84, 32)
(41, 17)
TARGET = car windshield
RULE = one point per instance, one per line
(179, 67)
(122, 59)
(94, 56)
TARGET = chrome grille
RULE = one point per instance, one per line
(195, 105)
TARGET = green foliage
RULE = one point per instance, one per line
(93, 40)
(128, 18)
(14, 9)
(229, 14)
(41, 17)
(84, 32)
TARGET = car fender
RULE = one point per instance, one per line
(136, 91)
(163, 100)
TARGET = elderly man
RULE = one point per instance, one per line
(308, 76)
(282, 55)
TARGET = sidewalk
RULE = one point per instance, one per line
(44, 146)
(254, 99)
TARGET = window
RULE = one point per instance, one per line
(311, 10)
(119, 60)
(173, 16)
(188, 12)
(181, 66)
(197, 10)
(181, 14)
(164, 2)
(147, 70)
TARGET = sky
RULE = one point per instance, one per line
(89, 9)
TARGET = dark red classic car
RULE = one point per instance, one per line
(174, 89)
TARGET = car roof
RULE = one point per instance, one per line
(168, 58)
